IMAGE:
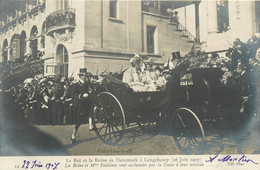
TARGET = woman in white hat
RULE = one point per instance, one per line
(133, 76)
(150, 75)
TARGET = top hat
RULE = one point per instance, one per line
(176, 55)
(82, 71)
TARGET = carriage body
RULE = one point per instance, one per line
(206, 89)
(200, 95)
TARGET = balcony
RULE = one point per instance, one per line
(31, 10)
(60, 20)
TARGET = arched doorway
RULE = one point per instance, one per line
(34, 41)
(62, 60)
(5, 51)
(22, 44)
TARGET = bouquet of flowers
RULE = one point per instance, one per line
(200, 59)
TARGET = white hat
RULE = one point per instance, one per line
(135, 59)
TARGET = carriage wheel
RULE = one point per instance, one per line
(108, 118)
(187, 132)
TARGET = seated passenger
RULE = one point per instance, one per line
(133, 76)
(162, 80)
(150, 77)
(149, 71)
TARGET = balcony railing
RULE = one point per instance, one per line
(61, 19)
(23, 17)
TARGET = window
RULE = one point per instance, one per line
(151, 6)
(113, 8)
(62, 4)
(150, 39)
(62, 61)
(223, 16)
(50, 69)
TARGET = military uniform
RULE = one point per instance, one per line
(80, 93)
(81, 105)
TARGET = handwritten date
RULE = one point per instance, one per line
(37, 164)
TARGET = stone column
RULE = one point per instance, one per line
(28, 48)
(9, 54)
(197, 21)
(39, 45)
(212, 17)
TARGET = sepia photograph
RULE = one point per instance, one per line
(129, 78)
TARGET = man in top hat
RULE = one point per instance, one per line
(175, 61)
(80, 93)
(175, 67)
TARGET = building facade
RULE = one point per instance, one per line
(99, 35)
(23, 33)
(103, 35)
(223, 21)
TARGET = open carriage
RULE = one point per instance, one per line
(200, 97)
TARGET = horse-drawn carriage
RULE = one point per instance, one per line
(196, 102)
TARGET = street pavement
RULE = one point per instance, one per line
(137, 142)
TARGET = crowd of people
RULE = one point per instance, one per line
(54, 100)
(44, 100)
(237, 59)
(51, 99)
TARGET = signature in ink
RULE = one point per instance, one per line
(228, 158)
(38, 164)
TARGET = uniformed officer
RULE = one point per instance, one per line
(82, 100)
